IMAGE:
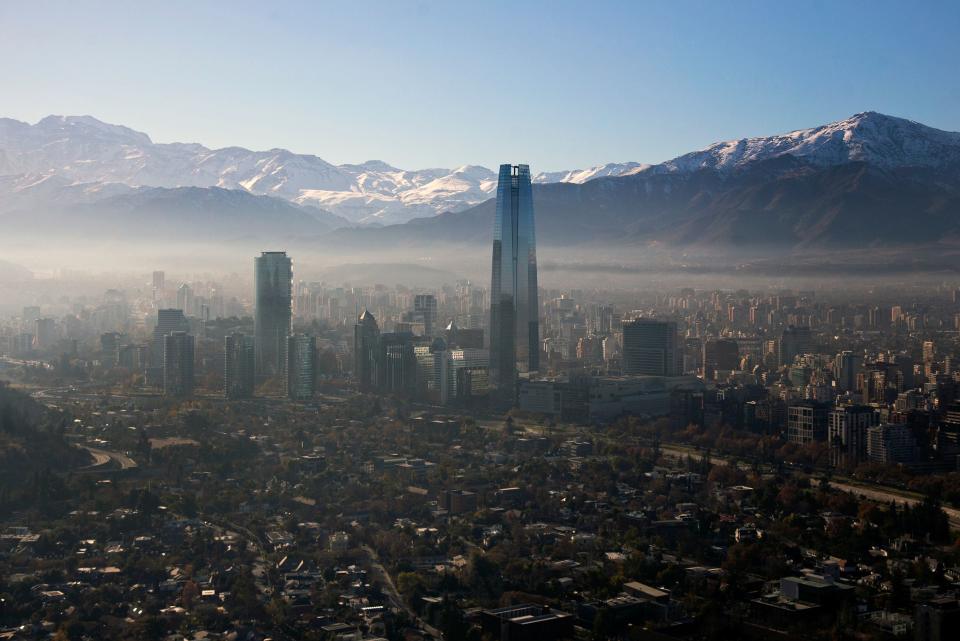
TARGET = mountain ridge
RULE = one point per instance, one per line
(84, 150)
(870, 178)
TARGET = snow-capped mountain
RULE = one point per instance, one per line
(883, 141)
(72, 151)
(867, 181)
(579, 176)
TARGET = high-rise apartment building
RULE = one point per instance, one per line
(846, 366)
(514, 302)
(847, 434)
(273, 282)
(650, 348)
(301, 371)
(45, 333)
(178, 356)
(239, 366)
(891, 443)
(794, 341)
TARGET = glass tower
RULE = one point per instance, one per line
(273, 279)
(514, 308)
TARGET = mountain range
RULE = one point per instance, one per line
(867, 180)
(92, 157)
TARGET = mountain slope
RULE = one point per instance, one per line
(868, 180)
(180, 214)
(83, 150)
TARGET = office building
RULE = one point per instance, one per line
(178, 357)
(425, 309)
(168, 321)
(397, 364)
(301, 371)
(159, 280)
(807, 423)
(273, 282)
(514, 302)
(650, 348)
(366, 345)
(239, 366)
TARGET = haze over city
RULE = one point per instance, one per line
(479, 322)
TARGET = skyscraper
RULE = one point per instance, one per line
(178, 354)
(650, 348)
(273, 280)
(425, 306)
(514, 306)
(168, 321)
(366, 345)
(239, 367)
(301, 366)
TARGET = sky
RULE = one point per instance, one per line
(556, 84)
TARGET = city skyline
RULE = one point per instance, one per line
(557, 398)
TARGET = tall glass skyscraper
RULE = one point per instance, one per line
(273, 280)
(514, 306)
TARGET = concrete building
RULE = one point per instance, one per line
(807, 423)
(239, 366)
(650, 348)
(847, 434)
(178, 360)
(891, 443)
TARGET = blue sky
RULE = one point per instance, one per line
(556, 84)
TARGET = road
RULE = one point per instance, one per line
(102, 457)
(393, 594)
(886, 495)
(872, 492)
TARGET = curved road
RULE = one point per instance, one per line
(103, 457)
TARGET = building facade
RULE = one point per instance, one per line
(366, 345)
(807, 423)
(273, 281)
(178, 359)
(239, 366)
(650, 348)
(301, 370)
(514, 303)
(847, 434)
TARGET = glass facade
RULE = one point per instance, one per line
(273, 280)
(514, 307)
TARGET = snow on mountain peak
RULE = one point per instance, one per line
(885, 141)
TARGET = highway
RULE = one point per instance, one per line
(863, 490)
